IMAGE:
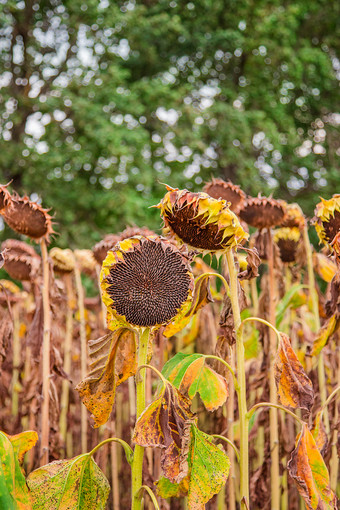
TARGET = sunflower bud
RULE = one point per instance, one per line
(146, 282)
(203, 223)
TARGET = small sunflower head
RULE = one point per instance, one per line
(100, 249)
(263, 212)
(21, 267)
(218, 188)
(146, 282)
(63, 260)
(86, 261)
(16, 247)
(293, 217)
(201, 222)
(28, 218)
(5, 196)
(327, 219)
(287, 239)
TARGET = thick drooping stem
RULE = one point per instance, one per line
(315, 305)
(138, 454)
(273, 413)
(241, 379)
(45, 424)
(83, 352)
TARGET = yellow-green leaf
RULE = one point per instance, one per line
(319, 433)
(307, 468)
(14, 494)
(113, 360)
(167, 489)
(190, 374)
(208, 467)
(71, 484)
(294, 387)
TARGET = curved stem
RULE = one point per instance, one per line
(137, 465)
(45, 424)
(127, 448)
(151, 494)
(258, 319)
(237, 453)
(241, 379)
(334, 392)
(221, 360)
(277, 406)
(154, 369)
(224, 281)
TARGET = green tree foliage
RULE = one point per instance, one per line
(102, 101)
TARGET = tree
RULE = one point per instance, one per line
(103, 101)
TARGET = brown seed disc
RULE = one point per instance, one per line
(100, 249)
(288, 249)
(262, 212)
(150, 284)
(28, 218)
(19, 248)
(218, 188)
(332, 226)
(192, 230)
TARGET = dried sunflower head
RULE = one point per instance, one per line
(218, 188)
(100, 249)
(200, 221)
(287, 239)
(5, 196)
(16, 247)
(146, 282)
(135, 231)
(86, 261)
(63, 260)
(21, 267)
(28, 218)
(263, 212)
(327, 219)
(293, 217)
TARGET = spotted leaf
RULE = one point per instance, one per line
(113, 360)
(70, 484)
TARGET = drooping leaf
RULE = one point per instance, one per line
(201, 297)
(306, 466)
(162, 425)
(324, 335)
(14, 494)
(167, 489)
(113, 360)
(292, 299)
(319, 433)
(71, 484)
(190, 374)
(208, 468)
(294, 387)
(253, 262)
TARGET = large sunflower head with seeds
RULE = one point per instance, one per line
(327, 219)
(201, 222)
(146, 282)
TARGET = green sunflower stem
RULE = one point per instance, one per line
(137, 465)
(241, 379)
(315, 305)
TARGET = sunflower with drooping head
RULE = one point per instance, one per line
(146, 282)
(327, 219)
(203, 223)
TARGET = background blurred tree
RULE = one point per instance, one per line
(102, 100)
